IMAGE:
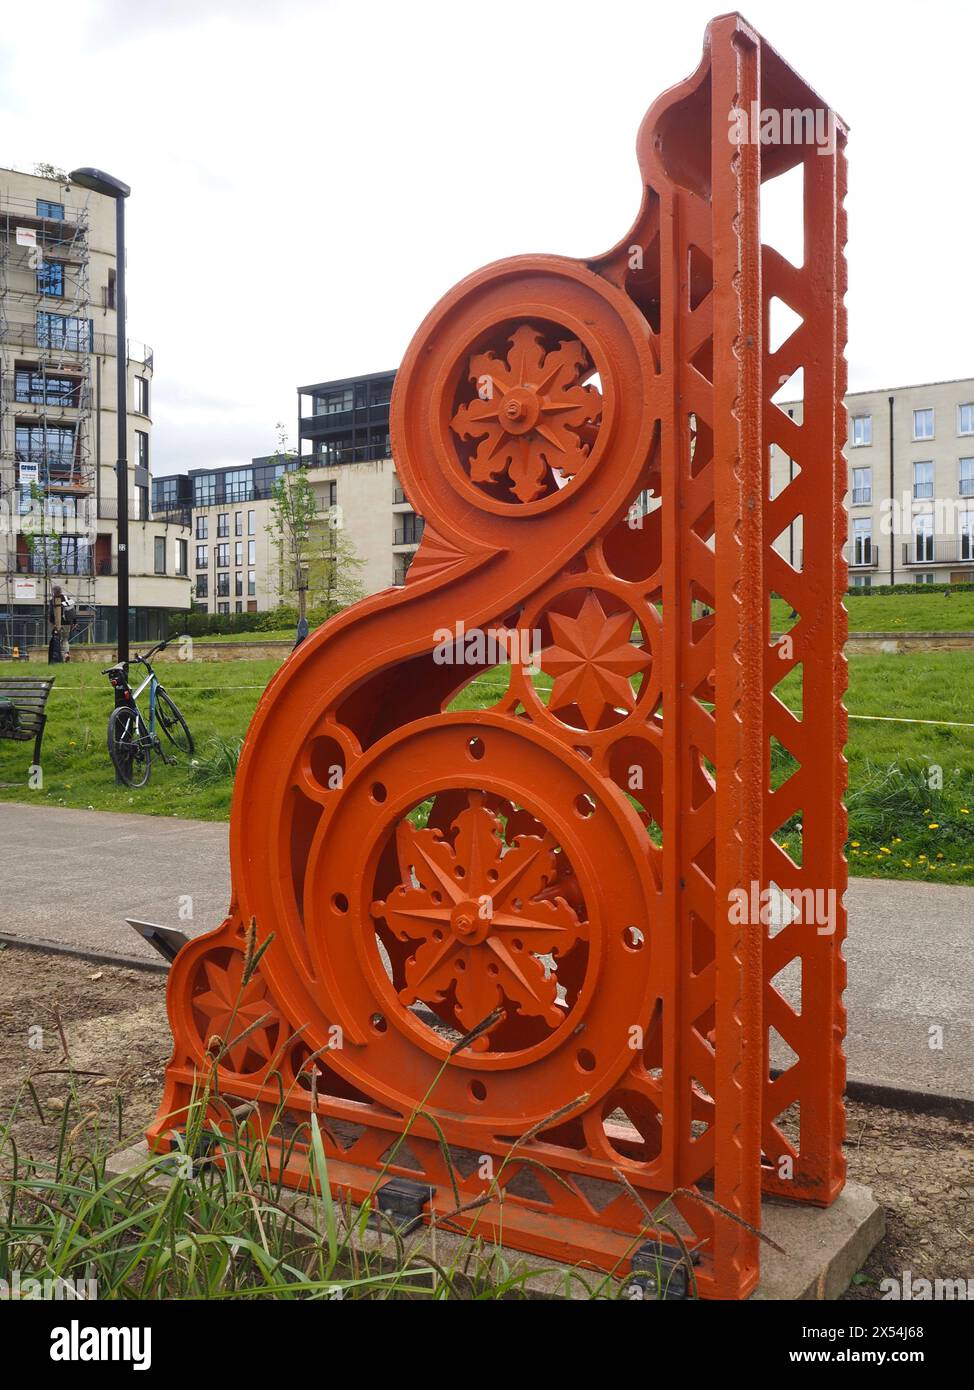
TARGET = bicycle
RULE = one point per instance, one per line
(131, 741)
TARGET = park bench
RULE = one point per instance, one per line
(22, 710)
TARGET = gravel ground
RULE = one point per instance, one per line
(113, 1023)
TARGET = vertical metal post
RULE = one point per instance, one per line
(121, 466)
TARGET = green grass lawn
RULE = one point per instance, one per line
(217, 700)
(902, 825)
(898, 612)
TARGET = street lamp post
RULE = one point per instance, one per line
(100, 182)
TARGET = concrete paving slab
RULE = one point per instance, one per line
(74, 876)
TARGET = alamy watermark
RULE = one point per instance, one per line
(792, 125)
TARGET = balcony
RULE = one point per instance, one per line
(411, 532)
(175, 515)
(108, 510)
(26, 337)
(864, 556)
(923, 551)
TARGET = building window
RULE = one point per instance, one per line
(923, 480)
(223, 608)
(141, 395)
(923, 546)
(862, 581)
(862, 430)
(967, 535)
(110, 290)
(966, 483)
(223, 586)
(50, 279)
(64, 331)
(251, 524)
(141, 449)
(862, 540)
(202, 586)
(204, 490)
(182, 556)
(202, 527)
(201, 557)
(52, 445)
(924, 578)
(238, 485)
(862, 486)
(238, 552)
(238, 606)
(53, 211)
(251, 583)
(223, 557)
(238, 584)
(334, 402)
(238, 523)
(965, 419)
(160, 554)
(251, 552)
(923, 424)
(223, 524)
(33, 387)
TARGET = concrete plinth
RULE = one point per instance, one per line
(821, 1249)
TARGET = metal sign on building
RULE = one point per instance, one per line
(534, 934)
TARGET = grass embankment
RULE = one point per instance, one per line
(882, 613)
(902, 824)
(897, 612)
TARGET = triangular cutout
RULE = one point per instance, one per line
(782, 323)
(783, 214)
(784, 764)
(790, 392)
(401, 1157)
(700, 276)
(788, 983)
(782, 1054)
(787, 543)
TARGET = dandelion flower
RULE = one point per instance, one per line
(854, 843)
(934, 825)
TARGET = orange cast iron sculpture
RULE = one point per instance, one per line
(588, 442)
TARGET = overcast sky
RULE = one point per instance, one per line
(309, 177)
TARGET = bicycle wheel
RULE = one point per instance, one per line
(128, 747)
(173, 724)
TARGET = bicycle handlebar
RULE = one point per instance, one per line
(159, 647)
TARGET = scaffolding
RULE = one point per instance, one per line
(48, 479)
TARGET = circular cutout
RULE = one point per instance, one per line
(339, 902)
(585, 1059)
(378, 793)
(504, 930)
(527, 411)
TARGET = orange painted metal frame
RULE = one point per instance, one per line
(588, 442)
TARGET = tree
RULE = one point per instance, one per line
(315, 554)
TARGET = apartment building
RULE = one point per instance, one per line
(228, 513)
(58, 410)
(910, 452)
(343, 433)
